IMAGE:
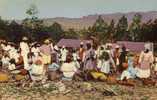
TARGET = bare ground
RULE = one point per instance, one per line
(76, 91)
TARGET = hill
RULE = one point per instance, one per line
(86, 21)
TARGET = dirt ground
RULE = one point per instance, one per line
(76, 91)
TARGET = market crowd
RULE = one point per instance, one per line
(46, 61)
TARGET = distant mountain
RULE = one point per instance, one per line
(86, 21)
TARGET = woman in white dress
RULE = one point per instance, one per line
(104, 63)
(145, 61)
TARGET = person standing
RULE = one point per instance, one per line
(146, 60)
(46, 51)
(123, 61)
(64, 53)
(116, 55)
(24, 47)
(81, 51)
(89, 58)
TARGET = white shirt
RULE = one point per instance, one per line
(24, 48)
(68, 69)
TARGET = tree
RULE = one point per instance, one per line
(15, 31)
(121, 29)
(71, 33)
(99, 25)
(100, 29)
(56, 31)
(149, 30)
(111, 30)
(4, 29)
(32, 24)
(135, 28)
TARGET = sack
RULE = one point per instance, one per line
(4, 77)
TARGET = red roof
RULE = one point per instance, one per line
(132, 46)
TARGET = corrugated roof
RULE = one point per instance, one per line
(74, 43)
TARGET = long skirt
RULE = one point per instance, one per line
(143, 73)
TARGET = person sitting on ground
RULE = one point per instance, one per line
(130, 72)
(104, 63)
(68, 68)
(37, 72)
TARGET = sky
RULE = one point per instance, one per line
(15, 9)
